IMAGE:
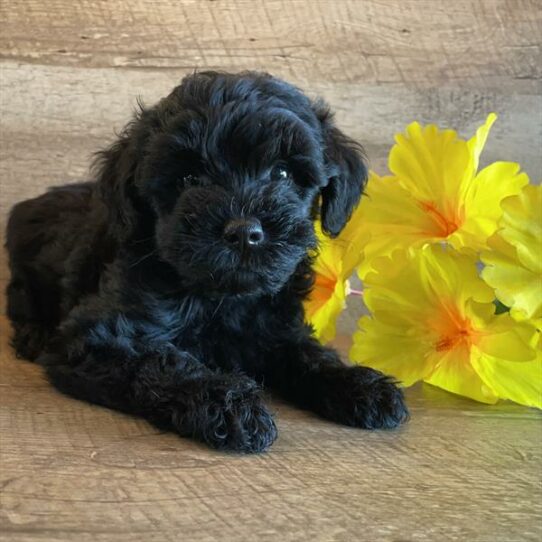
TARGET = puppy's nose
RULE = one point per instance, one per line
(244, 233)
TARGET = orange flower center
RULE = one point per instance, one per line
(443, 225)
(451, 341)
(454, 331)
(322, 291)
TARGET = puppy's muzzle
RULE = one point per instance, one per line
(244, 234)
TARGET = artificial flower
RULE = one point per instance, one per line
(514, 263)
(335, 262)
(436, 193)
(433, 319)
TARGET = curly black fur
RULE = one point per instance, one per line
(128, 292)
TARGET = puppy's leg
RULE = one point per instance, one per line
(167, 386)
(315, 378)
(31, 332)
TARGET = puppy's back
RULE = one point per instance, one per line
(46, 222)
(44, 236)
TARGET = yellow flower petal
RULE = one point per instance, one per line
(453, 374)
(432, 277)
(514, 261)
(392, 218)
(502, 337)
(324, 307)
(352, 241)
(478, 141)
(520, 382)
(431, 164)
(431, 316)
(482, 203)
(435, 194)
(335, 262)
(515, 285)
(380, 346)
(521, 225)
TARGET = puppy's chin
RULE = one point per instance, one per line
(235, 283)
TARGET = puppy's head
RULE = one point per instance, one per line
(229, 172)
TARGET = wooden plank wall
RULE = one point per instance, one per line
(71, 70)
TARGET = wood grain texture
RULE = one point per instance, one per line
(457, 471)
(369, 41)
(70, 73)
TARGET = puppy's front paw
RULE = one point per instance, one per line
(234, 417)
(29, 340)
(361, 397)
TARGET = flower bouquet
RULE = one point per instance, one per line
(450, 257)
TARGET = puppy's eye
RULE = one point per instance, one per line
(280, 173)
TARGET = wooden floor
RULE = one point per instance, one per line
(457, 471)
(70, 72)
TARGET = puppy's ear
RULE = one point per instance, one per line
(116, 168)
(346, 172)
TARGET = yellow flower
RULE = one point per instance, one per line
(514, 263)
(436, 193)
(335, 262)
(433, 319)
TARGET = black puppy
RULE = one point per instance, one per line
(172, 286)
